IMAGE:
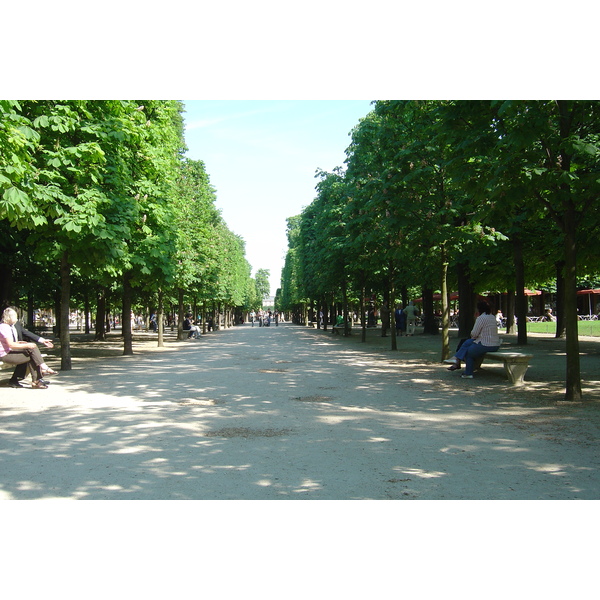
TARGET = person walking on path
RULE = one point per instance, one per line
(411, 316)
(484, 338)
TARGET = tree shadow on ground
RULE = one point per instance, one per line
(281, 414)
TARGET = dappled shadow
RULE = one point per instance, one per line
(287, 413)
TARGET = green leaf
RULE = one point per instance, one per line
(15, 196)
(585, 148)
(41, 121)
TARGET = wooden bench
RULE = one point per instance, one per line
(515, 364)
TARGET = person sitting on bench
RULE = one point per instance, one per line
(339, 323)
(484, 338)
(188, 325)
(15, 350)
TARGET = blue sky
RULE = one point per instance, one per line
(261, 157)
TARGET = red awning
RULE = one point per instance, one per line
(581, 292)
(532, 293)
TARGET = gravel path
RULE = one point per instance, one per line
(294, 413)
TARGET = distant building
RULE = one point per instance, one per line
(269, 302)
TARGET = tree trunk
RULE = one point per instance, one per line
(560, 299)
(573, 382)
(30, 318)
(332, 310)
(392, 306)
(521, 300)
(429, 324)
(6, 284)
(160, 320)
(100, 311)
(347, 330)
(180, 315)
(127, 314)
(363, 318)
(86, 308)
(57, 312)
(467, 304)
(510, 311)
(385, 312)
(445, 307)
(65, 299)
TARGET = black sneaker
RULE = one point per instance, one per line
(13, 383)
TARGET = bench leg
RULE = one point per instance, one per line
(515, 372)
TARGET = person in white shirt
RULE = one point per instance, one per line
(484, 338)
(16, 351)
(411, 316)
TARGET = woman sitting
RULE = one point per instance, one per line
(17, 352)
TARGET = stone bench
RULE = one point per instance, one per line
(515, 364)
(336, 328)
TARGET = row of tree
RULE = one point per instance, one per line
(98, 204)
(478, 197)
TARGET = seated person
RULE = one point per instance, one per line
(484, 338)
(188, 325)
(339, 324)
(15, 351)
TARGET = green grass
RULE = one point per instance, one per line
(591, 328)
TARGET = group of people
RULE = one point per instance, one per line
(264, 318)
(18, 346)
(15, 349)
(406, 319)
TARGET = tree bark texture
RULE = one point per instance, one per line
(467, 304)
(521, 300)
(126, 316)
(65, 299)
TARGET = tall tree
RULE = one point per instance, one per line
(263, 287)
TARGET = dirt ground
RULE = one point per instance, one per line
(291, 412)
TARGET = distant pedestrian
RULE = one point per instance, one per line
(400, 319)
(411, 317)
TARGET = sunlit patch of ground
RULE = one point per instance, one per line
(246, 432)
